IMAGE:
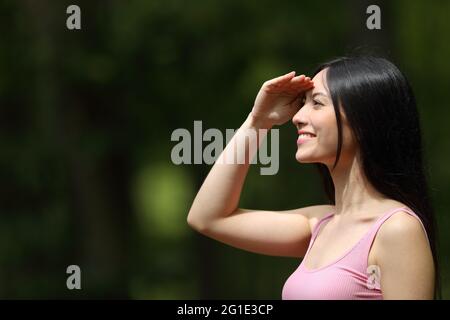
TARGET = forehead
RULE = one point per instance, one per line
(320, 81)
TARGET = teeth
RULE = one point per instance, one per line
(306, 135)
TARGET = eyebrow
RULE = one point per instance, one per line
(319, 94)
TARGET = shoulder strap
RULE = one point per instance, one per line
(372, 233)
(317, 227)
(392, 212)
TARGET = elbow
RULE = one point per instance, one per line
(190, 221)
(194, 224)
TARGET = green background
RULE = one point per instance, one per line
(86, 118)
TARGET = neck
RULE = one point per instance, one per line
(353, 192)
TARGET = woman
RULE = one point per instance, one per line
(358, 122)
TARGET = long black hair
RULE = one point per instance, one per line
(381, 110)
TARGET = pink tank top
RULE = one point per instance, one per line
(347, 278)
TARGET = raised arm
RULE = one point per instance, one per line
(215, 211)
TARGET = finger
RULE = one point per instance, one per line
(300, 77)
(307, 87)
(287, 76)
(306, 83)
(300, 83)
(282, 79)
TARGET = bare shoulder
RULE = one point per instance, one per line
(403, 253)
(402, 227)
(402, 234)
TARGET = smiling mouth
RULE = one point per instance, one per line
(304, 138)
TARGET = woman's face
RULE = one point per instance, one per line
(317, 117)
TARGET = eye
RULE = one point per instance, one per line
(317, 103)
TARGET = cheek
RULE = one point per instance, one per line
(330, 123)
(349, 140)
(328, 129)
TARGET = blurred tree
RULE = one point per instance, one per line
(86, 118)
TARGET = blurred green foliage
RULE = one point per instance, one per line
(86, 119)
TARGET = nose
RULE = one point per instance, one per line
(299, 119)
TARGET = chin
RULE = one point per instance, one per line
(304, 159)
(301, 159)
